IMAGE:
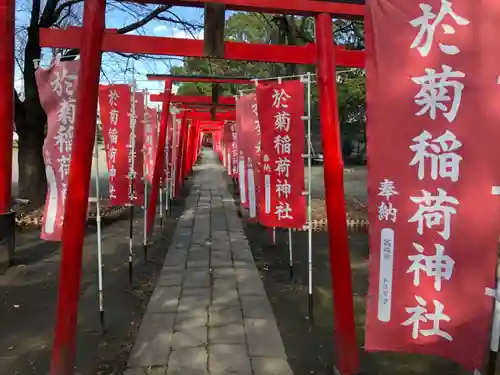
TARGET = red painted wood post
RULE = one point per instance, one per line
(64, 350)
(7, 8)
(345, 333)
(160, 156)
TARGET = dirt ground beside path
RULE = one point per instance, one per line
(28, 296)
(310, 347)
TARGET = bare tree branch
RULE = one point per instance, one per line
(58, 11)
(145, 20)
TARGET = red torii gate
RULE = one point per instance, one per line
(188, 138)
(92, 41)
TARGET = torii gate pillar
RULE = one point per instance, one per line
(345, 334)
(64, 350)
(7, 227)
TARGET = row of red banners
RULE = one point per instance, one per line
(130, 135)
(264, 150)
(130, 131)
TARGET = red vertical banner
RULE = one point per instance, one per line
(57, 90)
(248, 135)
(228, 148)
(234, 149)
(252, 132)
(114, 106)
(281, 200)
(138, 155)
(434, 222)
(169, 147)
(151, 141)
(243, 112)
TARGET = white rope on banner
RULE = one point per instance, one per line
(145, 170)
(100, 290)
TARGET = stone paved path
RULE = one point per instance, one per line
(209, 313)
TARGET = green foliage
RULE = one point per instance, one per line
(278, 29)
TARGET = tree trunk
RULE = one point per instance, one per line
(32, 179)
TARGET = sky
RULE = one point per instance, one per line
(115, 68)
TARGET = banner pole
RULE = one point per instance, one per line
(144, 172)
(131, 179)
(99, 237)
(309, 200)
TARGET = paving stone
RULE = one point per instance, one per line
(164, 299)
(227, 284)
(223, 314)
(169, 278)
(197, 317)
(189, 337)
(221, 263)
(247, 274)
(187, 303)
(243, 255)
(256, 307)
(252, 287)
(223, 273)
(221, 246)
(173, 268)
(152, 344)
(227, 359)
(156, 371)
(197, 265)
(198, 253)
(244, 264)
(135, 371)
(175, 260)
(224, 296)
(267, 366)
(202, 292)
(223, 254)
(197, 279)
(189, 361)
(227, 334)
(263, 338)
(222, 236)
